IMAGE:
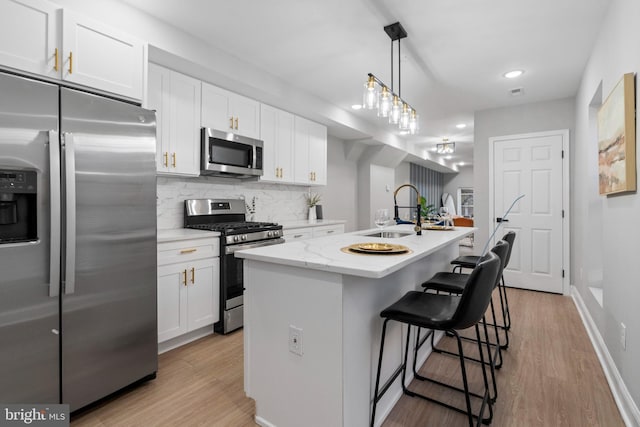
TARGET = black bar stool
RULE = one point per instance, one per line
(455, 283)
(469, 261)
(448, 313)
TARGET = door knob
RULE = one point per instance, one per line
(501, 219)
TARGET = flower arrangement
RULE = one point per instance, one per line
(312, 199)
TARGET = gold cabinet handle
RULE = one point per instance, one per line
(55, 65)
(237, 121)
(193, 275)
(188, 251)
(166, 158)
(231, 122)
(173, 159)
(184, 277)
(70, 62)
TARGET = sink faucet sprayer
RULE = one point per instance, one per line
(418, 226)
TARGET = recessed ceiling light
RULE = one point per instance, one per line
(513, 74)
(461, 126)
(357, 106)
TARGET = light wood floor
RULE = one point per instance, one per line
(551, 377)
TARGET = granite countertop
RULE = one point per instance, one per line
(184, 234)
(325, 253)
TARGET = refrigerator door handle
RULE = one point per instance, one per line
(70, 213)
(54, 180)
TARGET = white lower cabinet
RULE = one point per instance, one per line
(297, 234)
(328, 230)
(293, 234)
(188, 286)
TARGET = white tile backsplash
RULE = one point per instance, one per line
(274, 202)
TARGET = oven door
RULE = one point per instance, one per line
(232, 274)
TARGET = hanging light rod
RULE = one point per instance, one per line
(384, 99)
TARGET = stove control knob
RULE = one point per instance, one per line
(269, 233)
(236, 238)
(244, 237)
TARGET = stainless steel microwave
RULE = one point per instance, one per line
(231, 155)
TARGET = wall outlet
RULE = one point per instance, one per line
(623, 336)
(295, 340)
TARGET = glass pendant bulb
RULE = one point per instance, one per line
(404, 117)
(396, 109)
(413, 123)
(370, 95)
(384, 102)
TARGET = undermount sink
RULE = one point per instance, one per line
(388, 234)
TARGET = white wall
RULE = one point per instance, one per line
(406, 197)
(340, 196)
(462, 179)
(537, 117)
(606, 228)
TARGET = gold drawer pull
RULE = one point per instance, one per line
(173, 160)
(70, 62)
(184, 276)
(55, 66)
(166, 159)
(231, 122)
(188, 251)
(193, 275)
(237, 123)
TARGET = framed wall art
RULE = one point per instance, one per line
(617, 139)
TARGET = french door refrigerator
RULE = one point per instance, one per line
(77, 244)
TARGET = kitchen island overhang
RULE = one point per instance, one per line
(312, 324)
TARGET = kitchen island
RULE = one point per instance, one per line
(312, 325)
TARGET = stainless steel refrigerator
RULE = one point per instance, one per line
(77, 244)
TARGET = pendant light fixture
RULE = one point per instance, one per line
(446, 147)
(377, 95)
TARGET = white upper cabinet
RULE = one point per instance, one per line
(226, 111)
(176, 99)
(101, 57)
(318, 154)
(310, 162)
(29, 36)
(38, 37)
(277, 133)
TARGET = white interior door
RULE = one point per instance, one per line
(531, 165)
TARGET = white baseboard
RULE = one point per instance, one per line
(628, 408)
(184, 339)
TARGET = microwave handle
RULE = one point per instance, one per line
(254, 157)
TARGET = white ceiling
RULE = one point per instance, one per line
(452, 60)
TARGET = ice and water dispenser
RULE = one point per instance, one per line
(18, 206)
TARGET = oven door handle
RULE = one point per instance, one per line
(233, 248)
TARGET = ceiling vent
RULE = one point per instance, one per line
(518, 91)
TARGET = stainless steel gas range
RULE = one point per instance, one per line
(227, 216)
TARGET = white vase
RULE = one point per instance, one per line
(312, 213)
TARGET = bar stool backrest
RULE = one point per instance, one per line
(510, 237)
(477, 292)
(502, 250)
